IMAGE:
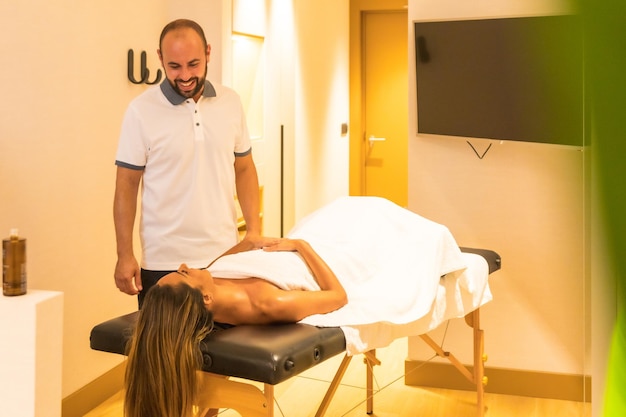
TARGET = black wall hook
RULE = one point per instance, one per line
(144, 72)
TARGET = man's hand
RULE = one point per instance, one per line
(256, 241)
(250, 242)
(128, 276)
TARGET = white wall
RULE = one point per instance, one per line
(280, 112)
(322, 103)
(306, 92)
(525, 201)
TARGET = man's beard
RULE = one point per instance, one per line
(186, 93)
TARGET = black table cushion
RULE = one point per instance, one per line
(267, 353)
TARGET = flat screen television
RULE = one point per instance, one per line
(508, 78)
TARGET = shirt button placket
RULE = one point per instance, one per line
(197, 123)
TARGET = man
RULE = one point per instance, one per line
(187, 143)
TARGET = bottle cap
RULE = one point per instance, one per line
(13, 233)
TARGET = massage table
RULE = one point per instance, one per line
(271, 354)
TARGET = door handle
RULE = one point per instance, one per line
(373, 139)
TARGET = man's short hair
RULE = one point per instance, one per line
(181, 24)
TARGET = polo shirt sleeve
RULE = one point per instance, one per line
(131, 149)
(243, 145)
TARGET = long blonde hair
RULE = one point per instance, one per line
(164, 352)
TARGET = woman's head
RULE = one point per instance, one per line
(172, 309)
(164, 352)
(195, 278)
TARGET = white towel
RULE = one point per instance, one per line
(390, 261)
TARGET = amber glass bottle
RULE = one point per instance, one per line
(14, 265)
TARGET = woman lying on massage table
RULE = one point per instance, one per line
(388, 259)
(257, 301)
(179, 311)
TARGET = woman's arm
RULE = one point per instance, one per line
(295, 305)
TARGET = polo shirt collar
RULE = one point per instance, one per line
(173, 97)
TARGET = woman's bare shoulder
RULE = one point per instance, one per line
(243, 301)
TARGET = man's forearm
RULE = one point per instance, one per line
(124, 221)
(247, 184)
(125, 210)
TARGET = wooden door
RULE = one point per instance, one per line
(385, 104)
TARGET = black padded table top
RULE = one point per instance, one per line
(272, 353)
(268, 353)
(493, 258)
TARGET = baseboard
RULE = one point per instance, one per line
(93, 394)
(569, 387)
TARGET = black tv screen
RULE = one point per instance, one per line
(508, 78)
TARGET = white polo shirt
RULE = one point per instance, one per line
(187, 152)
